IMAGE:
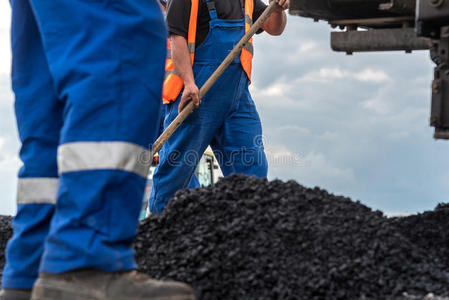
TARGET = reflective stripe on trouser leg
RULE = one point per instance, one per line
(39, 119)
(87, 156)
(37, 190)
(112, 89)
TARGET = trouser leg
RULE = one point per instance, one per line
(238, 146)
(107, 60)
(39, 119)
(194, 182)
(182, 152)
(178, 159)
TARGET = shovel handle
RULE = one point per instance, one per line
(188, 109)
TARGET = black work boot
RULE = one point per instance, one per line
(99, 285)
(9, 294)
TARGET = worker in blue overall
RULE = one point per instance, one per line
(227, 119)
(87, 78)
(194, 182)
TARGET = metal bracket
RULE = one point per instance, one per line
(378, 40)
(439, 116)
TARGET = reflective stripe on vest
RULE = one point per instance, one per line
(37, 190)
(246, 58)
(90, 156)
(173, 83)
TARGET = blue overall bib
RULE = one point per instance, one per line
(227, 120)
(87, 78)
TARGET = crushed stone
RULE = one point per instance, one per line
(248, 238)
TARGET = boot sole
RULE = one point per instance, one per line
(46, 290)
(15, 295)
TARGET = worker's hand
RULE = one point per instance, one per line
(283, 4)
(191, 93)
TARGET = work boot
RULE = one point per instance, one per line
(9, 294)
(99, 285)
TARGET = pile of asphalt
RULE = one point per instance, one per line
(428, 230)
(5, 234)
(247, 238)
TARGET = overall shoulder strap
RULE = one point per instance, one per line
(249, 9)
(212, 9)
(248, 50)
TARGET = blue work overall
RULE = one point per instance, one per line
(87, 78)
(227, 120)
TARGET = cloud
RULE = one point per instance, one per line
(370, 75)
(325, 75)
(9, 147)
(5, 52)
(309, 168)
(377, 105)
(318, 168)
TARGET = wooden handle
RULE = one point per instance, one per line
(188, 109)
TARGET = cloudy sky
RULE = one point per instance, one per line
(355, 125)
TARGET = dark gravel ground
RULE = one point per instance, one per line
(247, 238)
(5, 234)
(428, 230)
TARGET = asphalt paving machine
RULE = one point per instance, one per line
(391, 25)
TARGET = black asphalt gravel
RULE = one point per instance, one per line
(429, 231)
(5, 234)
(247, 238)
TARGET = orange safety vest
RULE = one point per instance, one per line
(173, 83)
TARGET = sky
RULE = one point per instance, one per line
(354, 125)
